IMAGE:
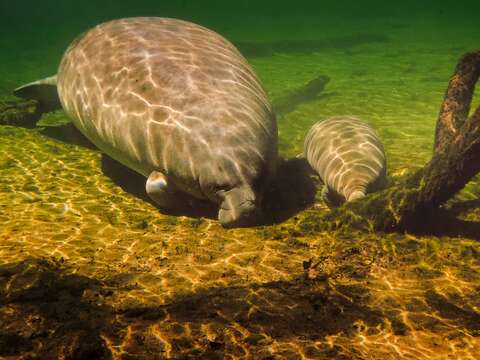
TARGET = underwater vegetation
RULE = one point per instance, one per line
(19, 113)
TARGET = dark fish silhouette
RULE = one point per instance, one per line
(307, 93)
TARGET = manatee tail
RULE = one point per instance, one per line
(44, 91)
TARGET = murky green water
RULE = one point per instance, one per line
(89, 269)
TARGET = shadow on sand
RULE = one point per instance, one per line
(293, 190)
(67, 133)
(444, 222)
(47, 312)
(310, 92)
(264, 49)
(280, 201)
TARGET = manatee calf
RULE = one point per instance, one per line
(177, 103)
(349, 157)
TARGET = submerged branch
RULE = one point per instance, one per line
(456, 105)
(408, 204)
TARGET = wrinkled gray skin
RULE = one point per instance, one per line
(349, 157)
(177, 103)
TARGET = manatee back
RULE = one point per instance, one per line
(348, 155)
(171, 96)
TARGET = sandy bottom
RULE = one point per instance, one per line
(89, 269)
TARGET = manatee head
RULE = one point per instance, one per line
(237, 183)
(239, 207)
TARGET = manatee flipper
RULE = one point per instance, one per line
(161, 191)
(238, 207)
(44, 91)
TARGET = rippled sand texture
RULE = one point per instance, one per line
(90, 270)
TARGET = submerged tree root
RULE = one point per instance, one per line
(411, 203)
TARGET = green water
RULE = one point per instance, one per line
(89, 268)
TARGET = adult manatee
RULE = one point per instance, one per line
(177, 103)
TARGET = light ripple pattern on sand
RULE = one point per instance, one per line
(175, 286)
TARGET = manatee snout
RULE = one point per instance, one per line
(239, 208)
